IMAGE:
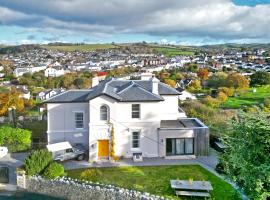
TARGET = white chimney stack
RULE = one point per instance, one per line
(95, 81)
(155, 83)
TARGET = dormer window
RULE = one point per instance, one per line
(104, 113)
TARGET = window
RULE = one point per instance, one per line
(179, 146)
(136, 139)
(135, 111)
(104, 114)
(79, 120)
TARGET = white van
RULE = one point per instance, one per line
(64, 151)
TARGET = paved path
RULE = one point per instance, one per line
(210, 161)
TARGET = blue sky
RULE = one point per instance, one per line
(193, 22)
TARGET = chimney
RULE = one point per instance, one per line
(155, 83)
(95, 81)
(146, 76)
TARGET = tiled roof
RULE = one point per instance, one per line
(121, 90)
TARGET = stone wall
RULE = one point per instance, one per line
(68, 188)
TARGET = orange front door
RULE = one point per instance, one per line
(103, 148)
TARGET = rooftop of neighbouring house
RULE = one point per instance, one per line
(182, 123)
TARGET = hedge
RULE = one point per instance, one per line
(15, 139)
(37, 161)
(54, 170)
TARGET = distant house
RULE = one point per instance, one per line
(25, 93)
(19, 71)
(54, 71)
(44, 95)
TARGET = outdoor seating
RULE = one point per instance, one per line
(191, 188)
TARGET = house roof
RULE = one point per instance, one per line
(121, 90)
(181, 123)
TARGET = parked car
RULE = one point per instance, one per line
(65, 151)
(3, 151)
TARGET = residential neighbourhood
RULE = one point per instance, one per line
(134, 100)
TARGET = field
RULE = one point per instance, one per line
(170, 52)
(248, 98)
(155, 180)
(83, 47)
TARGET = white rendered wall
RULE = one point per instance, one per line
(61, 123)
(124, 124)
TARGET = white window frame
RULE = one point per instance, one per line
(107, 114)
(75, 120)
(136, 111)
(139, 139)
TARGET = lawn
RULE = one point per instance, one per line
(248, 97)
(83, 47)
(170, 52)
(155, 180)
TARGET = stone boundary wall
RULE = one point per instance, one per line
(73, 189)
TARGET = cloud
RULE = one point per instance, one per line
(31, 37)
(208, 19)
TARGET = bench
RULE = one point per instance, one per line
(188, 193)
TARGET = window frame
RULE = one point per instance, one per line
(107, 113)
(76, 120)
(135, 111)
(174, 147)
(138, 140)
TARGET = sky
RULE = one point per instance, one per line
(192, 22)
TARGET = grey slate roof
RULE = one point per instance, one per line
(121, 90)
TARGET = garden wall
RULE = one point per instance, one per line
(73, 189)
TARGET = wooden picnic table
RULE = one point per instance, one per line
(196, 188)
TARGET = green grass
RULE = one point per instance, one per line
(155, 180)
(170, 52)
(248, 97)
(83, 47)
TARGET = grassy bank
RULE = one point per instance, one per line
(248, 97)
(156, 179)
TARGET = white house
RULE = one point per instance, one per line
(144, 115)
(54, 72)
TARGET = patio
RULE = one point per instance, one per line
(208, 162)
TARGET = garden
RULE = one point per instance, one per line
(248, 97)
(155, 179)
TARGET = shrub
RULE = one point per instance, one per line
(266, 103)
(222, 97)
(228, 91)
(37, 161)
(211, 102)
(15, 139)
(54, 170)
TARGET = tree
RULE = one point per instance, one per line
(11, 99)
(237, 81)
(247, 159)
(217, 80)
(203, 74)
(78, 82)
(195, 85)
(170, 82)
(260, 78)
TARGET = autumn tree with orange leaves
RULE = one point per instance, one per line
(11, 99)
